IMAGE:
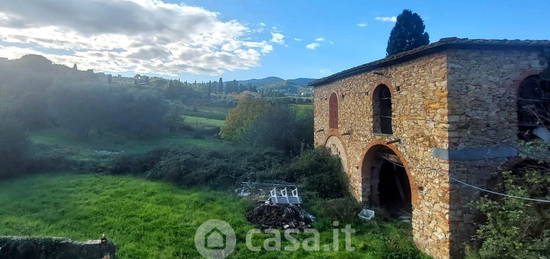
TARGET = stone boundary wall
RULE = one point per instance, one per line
(59, 248)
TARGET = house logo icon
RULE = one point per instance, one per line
(215, 239)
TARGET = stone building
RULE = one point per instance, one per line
(406, 126)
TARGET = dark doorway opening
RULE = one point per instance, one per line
(394, 191)
(381, 108)
(386, 184)
(533, 106)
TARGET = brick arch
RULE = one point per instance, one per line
(412, 182)
(339, 138)
(385, 82)
(516, 83)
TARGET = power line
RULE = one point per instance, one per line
(481, 189)
(498, 193)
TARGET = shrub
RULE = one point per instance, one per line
(240, 118)
(14, 145)
(86, 108)
(515, 228)
(343, 210)
(199, 167)
(319, 172)
(137, 164)
(264, 124)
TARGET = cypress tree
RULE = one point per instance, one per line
(407, 34)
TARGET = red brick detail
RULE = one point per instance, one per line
(412, 182)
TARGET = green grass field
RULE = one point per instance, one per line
(156, 220)
(202, 121)
(302, 110)
(92, 148)
(210, 112)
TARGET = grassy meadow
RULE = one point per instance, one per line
(148, 219)
(152, 219)
(202, 121)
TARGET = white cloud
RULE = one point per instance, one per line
(363, 24)
(142, 36)
(298, 39)
(312, 46)
(320, 39)
(278, 38)
(267, 48)
(386, 18)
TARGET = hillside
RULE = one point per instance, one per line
(277, 82)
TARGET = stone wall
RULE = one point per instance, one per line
(451, 100)
(44, 248)
(419, 105)
(483, 88)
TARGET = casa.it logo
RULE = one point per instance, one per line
(215, 239)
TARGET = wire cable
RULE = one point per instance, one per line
(498, 193)
(482, 189)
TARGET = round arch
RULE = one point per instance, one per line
(336, 147)
(382, 114)
(370, 164)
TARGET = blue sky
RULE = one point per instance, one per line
(337, 21)
(331, 28)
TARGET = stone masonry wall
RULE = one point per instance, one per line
(453, 100)
(419, 105)
(44, 248)
(483, 88)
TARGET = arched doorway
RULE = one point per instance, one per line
(386, 184)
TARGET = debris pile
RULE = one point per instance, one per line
(280, 216)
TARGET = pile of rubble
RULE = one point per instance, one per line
(284, 216)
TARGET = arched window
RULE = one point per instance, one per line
(381, 107)
(533, 106)
(333, 111)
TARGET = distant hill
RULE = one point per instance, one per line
(273, 82)
(45, 69)
(36, 64)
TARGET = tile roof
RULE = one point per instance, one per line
(444, 43)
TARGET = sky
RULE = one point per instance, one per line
(242, 39)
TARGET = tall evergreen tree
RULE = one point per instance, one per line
(220, 86)
(407, 34)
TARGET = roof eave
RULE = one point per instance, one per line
(413, 54)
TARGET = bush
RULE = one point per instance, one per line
(264, 124)
(14, 145)
(320, 173)
(240, 119)
(343, 210)
(215, 169)
(515, 228)
(137, 164)
(86, 108)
